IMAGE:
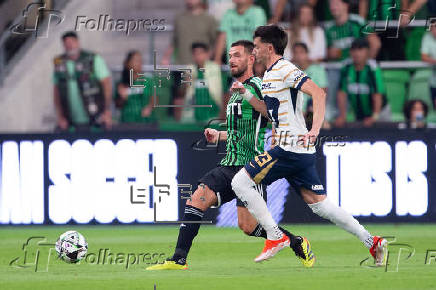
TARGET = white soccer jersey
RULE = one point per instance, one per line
(281, 91)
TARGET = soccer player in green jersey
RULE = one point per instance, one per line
(244, 136)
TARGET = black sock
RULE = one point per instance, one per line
(187, 233)
(259, 231)
(290, 236)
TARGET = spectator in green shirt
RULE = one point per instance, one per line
(238, 24)
(428, 54)
(361, 85)
(346, 27)
(205, 89)
(82, 87)
(136, 103)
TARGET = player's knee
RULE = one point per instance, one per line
(311, 197)
(241, 180)
(203, 198)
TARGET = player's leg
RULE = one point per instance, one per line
(263, 170)
(200, 201)
(244, 187)
(249, 225)
(322, 206)
(312, 192)
(246, 222)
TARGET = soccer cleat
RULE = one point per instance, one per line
(379, 250)
(272, 247)
(168, 265)
(304, 252)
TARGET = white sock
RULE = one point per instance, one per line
(343, 219)
(243, 186)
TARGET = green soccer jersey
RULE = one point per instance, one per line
(384, 9)
(245, 127)
(341, 36)
(360, 86)
(137, 99)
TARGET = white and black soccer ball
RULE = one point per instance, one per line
(71, 247)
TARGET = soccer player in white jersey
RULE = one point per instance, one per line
(293, 157)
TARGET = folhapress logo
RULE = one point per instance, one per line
(36, 255)
(32, 22)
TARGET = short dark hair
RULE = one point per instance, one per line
(199, 45)
(274, 35)
(69, 34)
(248, 45)
(302, 45)
(361, 42)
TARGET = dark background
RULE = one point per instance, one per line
(195, 159)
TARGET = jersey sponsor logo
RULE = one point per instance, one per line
(267, 86)
(317, 187)
(299, 76)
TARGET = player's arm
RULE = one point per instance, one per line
(256, 103)
(297, 79)
(318, 97)
(213, 136)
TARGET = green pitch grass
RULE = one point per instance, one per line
(221, 258)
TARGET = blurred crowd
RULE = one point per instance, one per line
(344, 31)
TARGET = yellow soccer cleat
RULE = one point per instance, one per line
(304, 252)
(168, 265)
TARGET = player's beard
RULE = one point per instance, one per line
(239, 72)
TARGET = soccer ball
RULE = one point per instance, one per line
(71, 247)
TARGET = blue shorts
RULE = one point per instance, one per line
(298, 168)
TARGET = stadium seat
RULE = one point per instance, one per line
(419, 86)
(395, 83)
(431, 117)
(413, 43)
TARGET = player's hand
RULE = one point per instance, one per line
(309, 139)
(211, 135)
(238, 87)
